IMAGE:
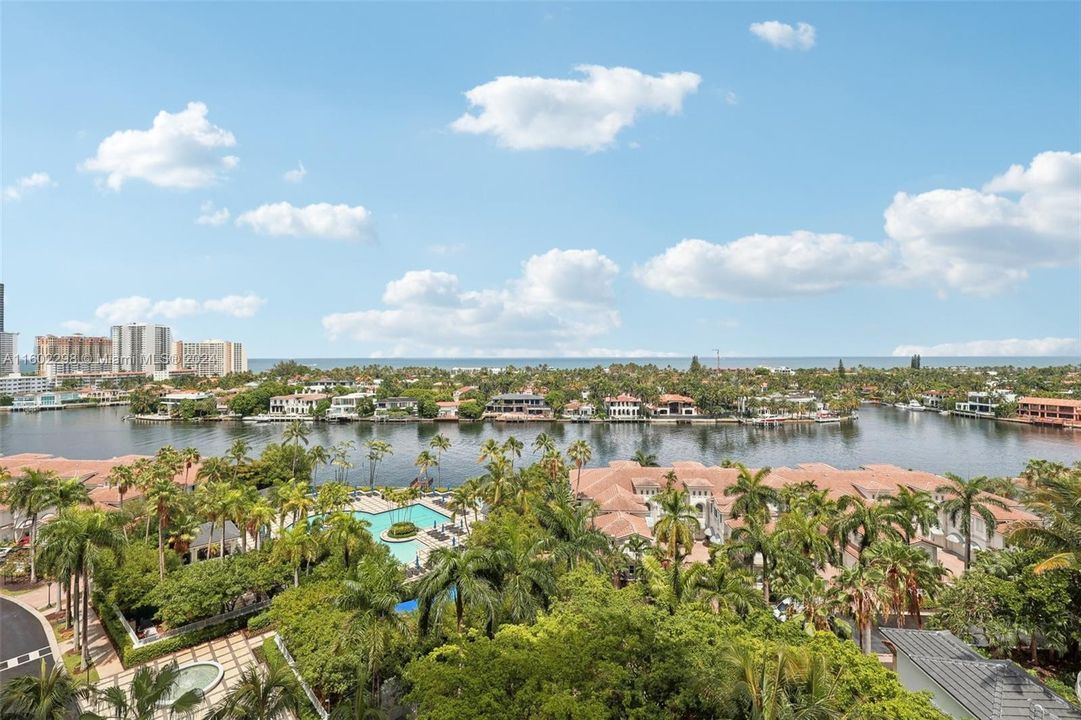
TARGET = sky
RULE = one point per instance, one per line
(533, 179)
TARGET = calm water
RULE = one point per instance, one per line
(925, 441)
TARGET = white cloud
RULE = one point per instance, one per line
(296, 174)
(323, 220)
(730, 98)
(561, 301)
(21, 186)
(530, 113)
(783, 35)
(983, 241)
(140, 309)
(995, 348)
(973, 241)
(209, 215)
(446, 249)
(180, 150)
(77, 326)
(764, 266)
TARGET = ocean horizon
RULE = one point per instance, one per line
(679, 363)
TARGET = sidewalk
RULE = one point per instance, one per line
(102, 655)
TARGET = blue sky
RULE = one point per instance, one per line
(620, 179)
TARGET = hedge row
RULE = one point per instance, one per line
(130, 655)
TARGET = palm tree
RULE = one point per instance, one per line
(441, 444)
(863, 590)
(726, 589)
(348, 532)
(458, 575)
(752, 540)
(213, 500)
(30, 496)
(163, 495)
(463, 500)
(425, 462)
(677, 523)
(296, 432)
(49, 695)
(543, 444)
(215, 470)
(791, 684)
(804, 533)
(260, 517)
(871, 520)
(238, 503)
(497, 479)
(189, 456)
(1056, 500)
(293, 498)
(910, 576)
(581, 453)
(123, 478)
(377, 450)
(317, 456)
(148, 690)
(295, 545)
(571, 537)
(340, 459)
(526, 581)
(373, 592)
(361, 705)
(915, 510)
(332, 497)
(816, 600)
(644, 458)
(238, 453)
(489, 450)
(753, 496)
(512, 448)
(966, 498)
(669, 584)
(260, 694)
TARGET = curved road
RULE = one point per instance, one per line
(23, 641)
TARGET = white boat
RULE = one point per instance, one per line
(943, 412)
(915, 406)
(826, 417)
(900, 406)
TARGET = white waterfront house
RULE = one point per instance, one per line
(297, 405)
(623, 407)
(346, 407)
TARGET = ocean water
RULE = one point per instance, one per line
(680, 363)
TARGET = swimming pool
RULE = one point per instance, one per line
(404, 551)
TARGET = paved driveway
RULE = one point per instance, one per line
(23, 642)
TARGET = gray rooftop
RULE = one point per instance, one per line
(517, 396)
(989, 689)
(211, 532)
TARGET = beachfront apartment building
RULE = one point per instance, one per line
(527, 404)
(22, 384)
(625, 493)
(9, 353)
(296, 405)
(210, 358)
(141, 347)
(56, 354)
(673, 405)
(623, 407)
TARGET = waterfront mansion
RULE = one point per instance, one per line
(624, 492)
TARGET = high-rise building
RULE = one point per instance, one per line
(210, 357)
(9, 349)
(141, 347)
(73, 354)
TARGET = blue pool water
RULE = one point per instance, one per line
(421, 515)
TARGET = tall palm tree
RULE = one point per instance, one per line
(260, 517)
(49, 695)
(489, 450)
(581, 453)
(871, 520)
(668, 585)
(463, 500)
(238, 503)
(863, 590)
(441, 444)
(727, 589)
(377, 450)
(455, 575)
(915, 510)
(347, 532)
(425, 461)
(753, 539)
(571, 537)
(911, 577)
(497, 479)
(260, 694)
(317, 456)
(163, 495)
(293, 498)
(1056, 500)
(189, 456)
(341, 453)
(816, 599)
(123, 478)
(294, 546)
(215, 470)
(543, 444)
(238, 454)
(525, 578)
(296, 433)
(147, 690)
(753, 496)
(804, 533)
(512, 448)
(645, 459)
(29, 496)
(373, 591)
(790, 684)
(965, 498)
(214, 500)
(676, 524)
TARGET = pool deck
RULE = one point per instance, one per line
(374, 504)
